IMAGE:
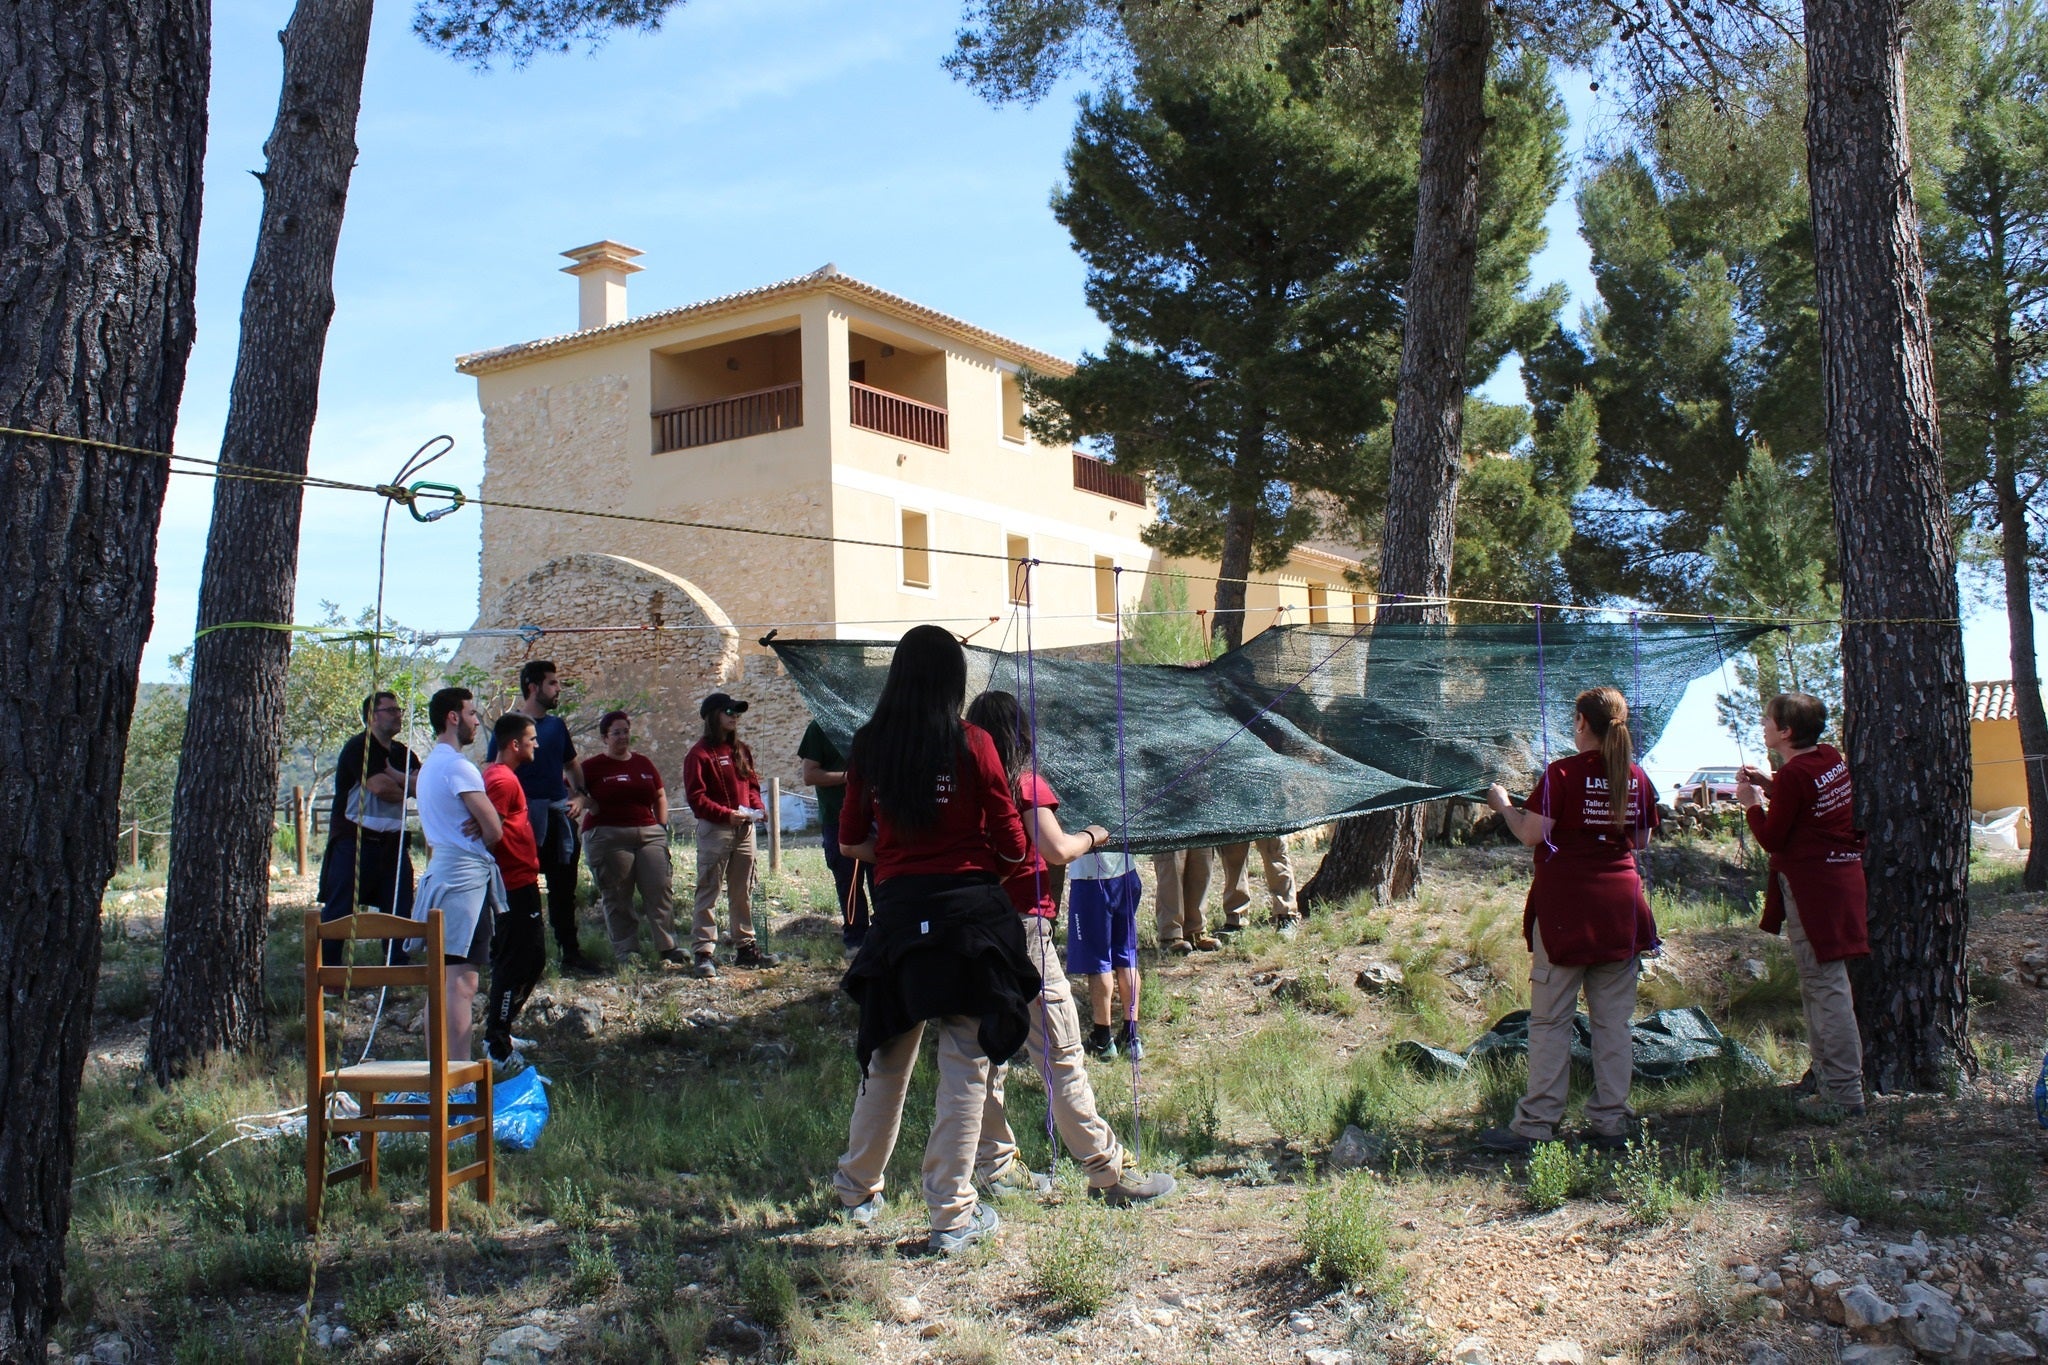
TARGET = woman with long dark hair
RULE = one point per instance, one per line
(928, 803)
(723, 788)
(1587, 922)
(1055, 1041)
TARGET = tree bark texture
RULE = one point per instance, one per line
(1234, 562)
(102, 137)
(218, 897)
(1906, 722)
(1382, 853)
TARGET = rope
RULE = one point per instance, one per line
(1543, 725)
(1123, 801)
(395, 493)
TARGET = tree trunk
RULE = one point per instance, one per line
(105, 112)
(217, 901)
(1382, 853)
(2026, 675)
(1232, 569)
(1906, 722)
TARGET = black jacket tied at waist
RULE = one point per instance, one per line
(938, 946)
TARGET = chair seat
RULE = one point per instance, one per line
(401, 1075)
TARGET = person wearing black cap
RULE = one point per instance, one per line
(724, 791)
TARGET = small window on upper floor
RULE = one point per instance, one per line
(1016, 549)
(1105, 587)
(1013, 408)
(917, 550)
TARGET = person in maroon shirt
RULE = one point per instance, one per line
(723, 788)
(1586, 922)
(519, 946)
(625, 836)
(1805, 818)
(1055, 1039)
(928, 803)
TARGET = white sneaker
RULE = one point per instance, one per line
(513, 1064)
(980, 1227)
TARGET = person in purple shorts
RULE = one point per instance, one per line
(1103, 889)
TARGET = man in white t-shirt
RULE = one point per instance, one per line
(462, 880)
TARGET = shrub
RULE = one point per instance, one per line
(1076, 1261)
(1643, 1187)
(1557, 1174)
(766, 1287)
(1344, 1233)
(593, 1268)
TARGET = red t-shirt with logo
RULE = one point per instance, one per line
(1585, 895)
(624, 792)
(518, 856)
(977, 829)
(1031, 887)
(712, 784)
(1810, 832)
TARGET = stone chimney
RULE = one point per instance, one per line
(600, 270)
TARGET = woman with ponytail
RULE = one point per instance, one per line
(1587, 920)
(929, 804)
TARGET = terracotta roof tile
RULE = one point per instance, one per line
(1991, 701)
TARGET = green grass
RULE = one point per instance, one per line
(1346, 1233)
(1080, 1259)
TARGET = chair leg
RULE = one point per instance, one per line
(316, 1155)
(370, 1146)
(437, 1156)
(489, 1137)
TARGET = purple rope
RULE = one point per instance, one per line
(1543, 722)
(1256, 716)
(1642, 853)
(1123, 800)
(1038, 882)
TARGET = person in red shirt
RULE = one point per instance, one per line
(928, 803)
(1587, 921)
(1055, 1039)
(519, 948)
(1805, 818)
(723, 788)
(625, 824)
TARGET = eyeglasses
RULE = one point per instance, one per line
(733, 711)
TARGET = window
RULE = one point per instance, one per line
(1017, 548)
(1105, 587)
(1013, 408)
(1319, 604)
(1361, 608)
(917, 550)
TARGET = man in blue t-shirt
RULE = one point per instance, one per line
(553, 781)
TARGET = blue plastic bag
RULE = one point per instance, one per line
(520, 1110)
(2041, 1094)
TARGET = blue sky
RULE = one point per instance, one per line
(748, 141)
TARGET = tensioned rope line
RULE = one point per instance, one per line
(408, 497)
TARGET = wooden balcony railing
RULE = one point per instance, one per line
(728, 419)
(1093, 476)
(894, 415)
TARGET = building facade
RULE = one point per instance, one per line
(818, 457)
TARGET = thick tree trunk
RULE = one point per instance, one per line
(1232, 569)
(212, 995)
(1382, 853)
(1907, 722)
(104, 111)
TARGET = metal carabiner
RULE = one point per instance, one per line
(447, 490)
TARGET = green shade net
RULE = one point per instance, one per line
(1668, 1046)
(1302, 725)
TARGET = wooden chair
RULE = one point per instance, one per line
(434, 1077)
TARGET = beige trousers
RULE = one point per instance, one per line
(621, 858)
(1055, 1049)
(956, 1124)
(1237, 896)
(1610, 989)
(1182, 884)
(725, 859)
(1831, 1034)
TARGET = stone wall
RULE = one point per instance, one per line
(686, 648)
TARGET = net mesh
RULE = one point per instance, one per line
(1304, 724)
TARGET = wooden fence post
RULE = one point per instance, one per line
(135, 844)
(299, 829)
(774, 824)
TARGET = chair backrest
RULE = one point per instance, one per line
(426, 972)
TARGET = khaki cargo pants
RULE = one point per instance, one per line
(1237, 896)
(1182, 884)
(956, 1124)
(1831, 1034)
(1610, 989)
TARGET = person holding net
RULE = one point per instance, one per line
(929, 804)
(1586, 922)
(1055, 1039)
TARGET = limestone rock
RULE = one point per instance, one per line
(1560, 1353)
(527, 1345)
(1301, 1324)
(1472, 1351)
(2036, 1286)
(584, 1017)
(1324, 1356)
(907, 1308)
(1379, 978)
(2009, 1346)
(112, 1349)
(1355, 1148)
(1929, 1321)
(1863, 1307)
(1761, 1353)
(1864, 1353)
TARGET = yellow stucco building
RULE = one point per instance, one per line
(1998, 778)
(873, 440)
